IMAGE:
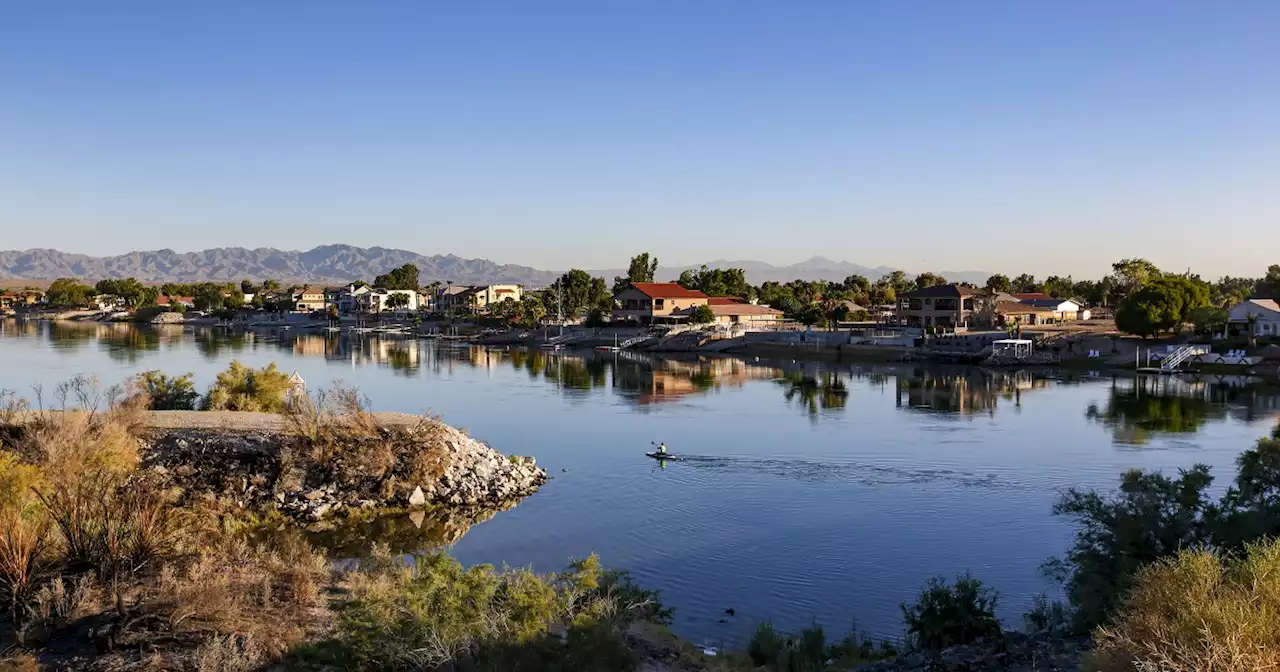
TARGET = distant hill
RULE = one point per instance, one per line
(327, 263)
(815, 268)
(343, 263)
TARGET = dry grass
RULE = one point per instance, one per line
(1198, 612)
(267, 594)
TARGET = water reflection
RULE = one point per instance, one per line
(1142, 408)
(964, 391)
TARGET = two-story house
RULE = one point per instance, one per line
(655, 302)
(309, 298)
(947, 307)
(476, 298)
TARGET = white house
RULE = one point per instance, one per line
(1266, 312)
(1062, 309)
(376, 300)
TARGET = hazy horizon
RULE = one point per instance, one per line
(1005, 137)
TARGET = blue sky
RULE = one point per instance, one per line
(1049, 137)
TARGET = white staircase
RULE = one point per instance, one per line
(1177, 357)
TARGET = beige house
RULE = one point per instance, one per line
(477, 298)
(308, 299)
(948, 307)
(656, 302)
(731, 311)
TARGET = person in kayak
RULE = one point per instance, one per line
(662, 449)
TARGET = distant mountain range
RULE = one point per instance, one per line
(343, 263)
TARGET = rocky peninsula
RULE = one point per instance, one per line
(313, 467)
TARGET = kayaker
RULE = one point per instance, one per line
(662, 449)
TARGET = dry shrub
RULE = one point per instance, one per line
(244, 388)
(60, 601)
(227, 653)
(22, 662)
(23, 529)
(338, 433)
(1198, 611)
(113, 528)
(270, 593)
(92, 433)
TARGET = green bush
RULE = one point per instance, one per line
(167, 394)
(243, 388)
(949, 615)
(1197, 611)
(1154, 517)
(702, 315)
(439, 615)
(809, 650)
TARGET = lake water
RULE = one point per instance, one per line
(827, 492)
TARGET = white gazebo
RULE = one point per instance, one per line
(1013, 348)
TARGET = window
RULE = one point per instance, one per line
(657, 304)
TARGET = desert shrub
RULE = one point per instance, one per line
(1153, 517)
(164, 393)
(1197, 611)
(809, 650)
(949, 615)
(267, 592)
(244, 388)
(436, 614)
(23, 530)
(1046, 615)
(112, 528)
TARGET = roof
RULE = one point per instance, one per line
(311, 289)
(1025, 296)
(944, 291)
(724, 301)
(1047, 303)
(1006, 296)
(742, 309)
(1023, 308)
(1265, 304)
(163, 300)
(667, 290)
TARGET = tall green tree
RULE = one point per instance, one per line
(1133, 274)
(404, 277)
(1025, 283)
(1162, 305)
(1059, 287)
(999, 283)
(927, 279)
(717, 282)
(642, 269)
(68, 293)
(574, 291)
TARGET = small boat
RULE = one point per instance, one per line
(662, 456)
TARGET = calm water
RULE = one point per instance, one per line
(814, 492)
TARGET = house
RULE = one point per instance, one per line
(379, 300)
(477, 298)
(1009, 313)
(1265, 314)
(1062, 309)
(171, 301)
(309, 299)
(731, 311)
(950, 307)
(18, 299)
(656, 302)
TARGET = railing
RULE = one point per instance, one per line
(635, 340)
(1173, 359)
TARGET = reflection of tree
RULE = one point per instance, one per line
(124, 345)
(213, 343)
(817, 391)
(69, 336)
(1144, 410)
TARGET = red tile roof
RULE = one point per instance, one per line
(724, 301)
(1032, 295)
(667, 290)
(163, 300)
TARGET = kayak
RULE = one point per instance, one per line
(662, 456)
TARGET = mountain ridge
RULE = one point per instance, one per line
(338, 263)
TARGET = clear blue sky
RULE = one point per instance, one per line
(1051, 137)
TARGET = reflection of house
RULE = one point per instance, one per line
(652, 302)
(945, 307)
(477, 298)
(734, 311)
(1264, 312)
(309, 298)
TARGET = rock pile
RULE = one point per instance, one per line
(168, 318)
(1014, 652)
(402, 467)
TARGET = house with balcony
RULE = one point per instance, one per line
(309, 299)
(656, 303)
(946, 307)
(476, 298)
